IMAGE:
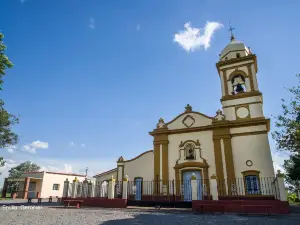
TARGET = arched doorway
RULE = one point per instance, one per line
(187, 187)
(183, 174)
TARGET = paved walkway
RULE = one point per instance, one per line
(37, 215)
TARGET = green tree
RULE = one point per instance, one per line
(2, 162)
(292, 168)
(7, 136)
(23, 167)
(287, 134)
(17, 171)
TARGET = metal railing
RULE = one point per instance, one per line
(251, 186)
(181, 190)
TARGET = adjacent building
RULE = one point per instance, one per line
(41, 184)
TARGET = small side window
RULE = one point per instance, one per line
(238, 55)
(55, 187)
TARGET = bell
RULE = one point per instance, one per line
(239, 88)
(238, 80)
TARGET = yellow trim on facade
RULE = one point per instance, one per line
(188, 112)
(217, 124)
(250, 103)
(242, 106)
(241, 95)
(238, 60)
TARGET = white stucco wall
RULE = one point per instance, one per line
(206, 145)
(248, 129)
(256, 110)
(255, 148)
(241, 101)
(200, 120)
(229, 113)
(142, 166)
(50, 179)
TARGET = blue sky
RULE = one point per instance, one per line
(92, 78)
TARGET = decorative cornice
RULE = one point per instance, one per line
(165, 128)
(219, 124)
(237, 60)
(191, 164)
(197, 143)
(140, 155)
(121, 159)
(188, 108)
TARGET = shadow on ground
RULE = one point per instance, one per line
(195, 218)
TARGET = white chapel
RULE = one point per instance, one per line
(229, 145)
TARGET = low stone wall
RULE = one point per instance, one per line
(101, 202)
(242, 206)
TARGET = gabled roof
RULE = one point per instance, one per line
(106, 172)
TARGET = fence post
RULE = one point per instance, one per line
(111, 188)
(125, 186)
(91, 190)
(214, 187)
(194, 187)
(281, 187)
(66, 188)
(74, 188)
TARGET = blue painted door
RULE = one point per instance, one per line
(138, 190)
(187, 188)
(252, 185)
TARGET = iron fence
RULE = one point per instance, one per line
(181, 190)
(251, 186)
(118, 189)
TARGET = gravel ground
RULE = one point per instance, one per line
(60, 216)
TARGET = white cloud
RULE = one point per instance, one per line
(92, 23)
(57, 167)
(39, 144)
(191, 38)
(83, 145)
(278, 160)
(138, 27)
(31, 148)
(11, 149)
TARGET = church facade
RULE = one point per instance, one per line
(229, 145)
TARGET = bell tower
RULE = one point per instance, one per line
(237, 67)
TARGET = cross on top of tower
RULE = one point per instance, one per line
(231, 32)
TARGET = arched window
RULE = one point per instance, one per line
(238, 84)
(189, 151)
(238, 55)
